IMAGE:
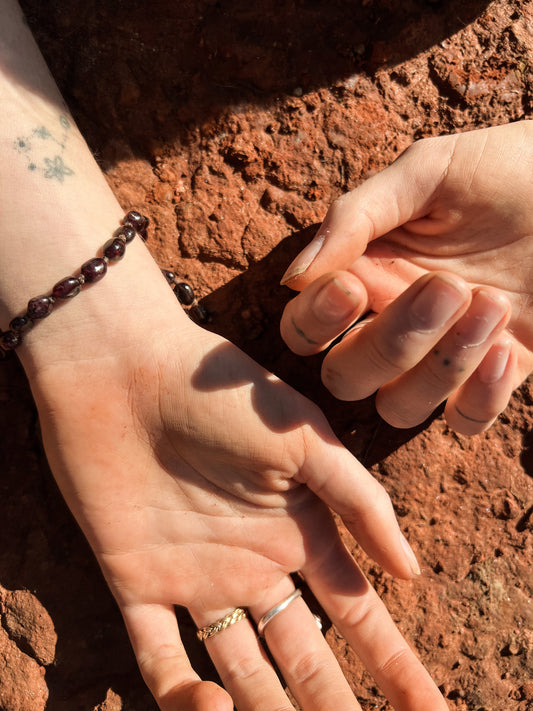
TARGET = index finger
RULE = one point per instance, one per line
(322, 311)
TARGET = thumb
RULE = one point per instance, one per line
(402, 192)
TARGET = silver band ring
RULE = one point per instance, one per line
(263, 622)
(214, 628)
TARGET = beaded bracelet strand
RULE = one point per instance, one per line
(133, 223)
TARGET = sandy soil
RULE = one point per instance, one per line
(233, 125)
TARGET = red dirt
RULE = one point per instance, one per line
(233, 125)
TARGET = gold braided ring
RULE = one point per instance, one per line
(214, 628)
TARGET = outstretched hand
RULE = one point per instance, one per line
(204, 481)
(437, 253)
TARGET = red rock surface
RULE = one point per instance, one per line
(233, 125)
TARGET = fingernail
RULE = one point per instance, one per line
(493, 366)
(304, 259)
(334, 302)
(485, 313)
(411, 557)
(438, 301)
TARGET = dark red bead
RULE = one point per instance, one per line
(94, 269)
(66, 288)
(184, 293)
(126, 231)
(114, 249)
(169, 275)
(140, 222)
(39, 307)
(9, 340)
(199, 313)
(21, 324)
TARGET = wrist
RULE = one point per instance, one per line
(129, 306)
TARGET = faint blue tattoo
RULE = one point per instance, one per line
(44, 148)
(22, 145)
(55, 168)
(42, 132)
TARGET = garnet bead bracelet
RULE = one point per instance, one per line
(133, 223)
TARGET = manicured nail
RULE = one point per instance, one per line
(438, 301)
(334, 302)
(304, 259)
(484, 315)
(411, 557)
(493, 366)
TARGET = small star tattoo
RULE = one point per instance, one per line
(56, 169)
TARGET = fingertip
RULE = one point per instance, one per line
(411, 557)
(341, 300)
(296, 271)
(365, 507)
(322, 312)
(474, 407)
(197, 696)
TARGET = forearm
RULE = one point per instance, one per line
(56, 212)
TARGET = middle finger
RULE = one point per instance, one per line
(411, 398)
(397, 339)
(305, 659)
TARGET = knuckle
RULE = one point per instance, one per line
(387, 355)
(245, 668)
(307, 668)
(403, 412)
(396, 663)
(377, 507)
(359, 615)
(335, 382)
(444, 373)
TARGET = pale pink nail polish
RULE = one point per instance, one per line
(494, 364)
(484, 315)
(436, 303)
(411, 557)
(334, 303)
(304, 259)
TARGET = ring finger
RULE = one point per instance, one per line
(411, 398)
(243, 666)
(305, 660)
(476, 404)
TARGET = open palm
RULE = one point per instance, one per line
(205, 483)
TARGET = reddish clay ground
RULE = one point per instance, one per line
(233, 125)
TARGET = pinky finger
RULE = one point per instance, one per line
(164, 665)
(478, 402)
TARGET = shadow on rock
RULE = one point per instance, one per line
(123, 58)
(247, 311)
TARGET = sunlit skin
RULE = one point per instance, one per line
(451, 217)
(198, 478)
(195, 480)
